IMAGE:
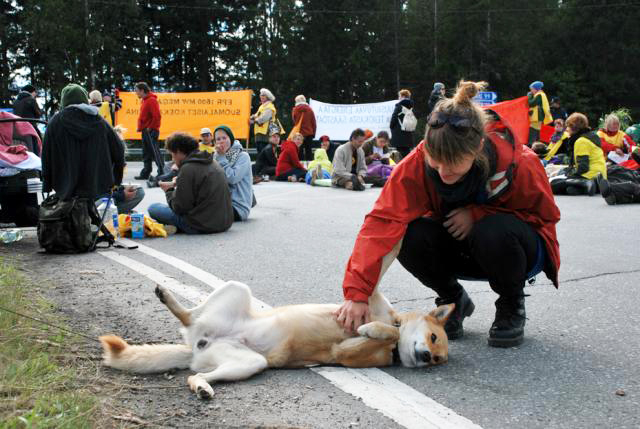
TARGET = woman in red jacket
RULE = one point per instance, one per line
(469, 202)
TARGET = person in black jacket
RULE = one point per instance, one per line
(26, 105)
(267, 160)
(81, 154)
(401, 140)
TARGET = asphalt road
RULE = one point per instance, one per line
(581, 343)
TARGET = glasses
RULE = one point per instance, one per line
(459, 123)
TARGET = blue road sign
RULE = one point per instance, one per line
(485, 98)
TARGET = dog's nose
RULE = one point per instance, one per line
(423, 356)
(202, 344)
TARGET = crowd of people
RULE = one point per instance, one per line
(465, 203)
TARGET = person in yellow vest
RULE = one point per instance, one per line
(586, 161)
(206, 141)
(539, 111)
(263, 118)
(613, 139)
(558, 143)
(95, 99)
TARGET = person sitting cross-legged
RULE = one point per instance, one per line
(349, 168)
(289, 167)
(267, 160)
(199, 200)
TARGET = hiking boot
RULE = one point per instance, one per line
(507, 329)
(464, 308)
(152, 182)
(603, 186)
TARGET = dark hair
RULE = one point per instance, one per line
(383, 135)
(143, 86)
(449, 143)
(358, 132)
(577, 122)
(181, 142)
(28, 88)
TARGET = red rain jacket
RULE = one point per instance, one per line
(410, 194)
(288, 159)
(149, 113)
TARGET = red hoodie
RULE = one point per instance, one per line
(149, 113)
(288, 159)
(410, 194)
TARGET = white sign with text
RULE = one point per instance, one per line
(338, 120)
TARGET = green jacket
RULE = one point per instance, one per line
(201, 195)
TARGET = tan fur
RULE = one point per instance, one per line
(227, 340)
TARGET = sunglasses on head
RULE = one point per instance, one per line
(459, 123)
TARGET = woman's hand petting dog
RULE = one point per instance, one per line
(351, 315)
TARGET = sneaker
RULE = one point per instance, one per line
(357, 185)
(265, 178)
(292, 178)
(464, 308)
(507, 329)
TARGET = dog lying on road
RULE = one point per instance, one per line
(225, 340)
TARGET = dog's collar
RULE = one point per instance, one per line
(396, 356)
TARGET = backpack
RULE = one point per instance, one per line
(70, 226)
(410, 122)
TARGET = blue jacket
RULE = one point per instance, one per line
(240, 180)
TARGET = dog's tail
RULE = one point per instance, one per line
(146, 358)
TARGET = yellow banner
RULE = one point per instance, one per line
(190, 111)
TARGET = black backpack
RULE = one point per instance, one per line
(71, 226)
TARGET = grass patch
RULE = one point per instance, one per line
(44, 383)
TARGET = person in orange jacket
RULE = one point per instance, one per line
(471, 201)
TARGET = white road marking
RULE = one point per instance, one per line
(195, 272)
(401, 403)
(185, 291)
(377, 389)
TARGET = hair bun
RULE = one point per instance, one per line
(466, 90)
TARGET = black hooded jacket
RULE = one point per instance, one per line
(81, 154)
(400, 138)
(26, 106)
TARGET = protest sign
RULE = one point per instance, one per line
(338, 120)
(190, 111)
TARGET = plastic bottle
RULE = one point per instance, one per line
(116, 225)
(106, 209)
(10, 235)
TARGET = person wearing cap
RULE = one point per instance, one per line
(289, 167)
(115, 104)
(349, 168)
(206, 141)
(95, 99)
(81, 154)
(304, 117)
(539, 112)
(265, 116)
(26, 105)
(267, 160)
(557, 112)
(437, 94)
(236, 164)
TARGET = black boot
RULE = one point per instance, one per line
(508, 327)
(464, 308)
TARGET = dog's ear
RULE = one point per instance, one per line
(442, 313)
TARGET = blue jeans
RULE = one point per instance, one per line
(163, 214)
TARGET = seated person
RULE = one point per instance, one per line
(267, 160)
(206, 141)
(541, 150)
(586, 160)
(349, 168)
(199, 200)
(81, 155)
(558, 142)
(319, 170)
(236, 164)
(127, 198)
(377, 156)
(622, 185)
(613, 139)
(289, 167)
(325, 143)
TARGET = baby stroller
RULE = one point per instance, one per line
(20, 170)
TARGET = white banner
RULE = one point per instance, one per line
(338, 120)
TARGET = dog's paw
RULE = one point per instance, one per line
(160, 294)
(204, 392)
(367, 330)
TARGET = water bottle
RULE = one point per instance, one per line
(107, 209)
(10, 235)
(116, 225)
